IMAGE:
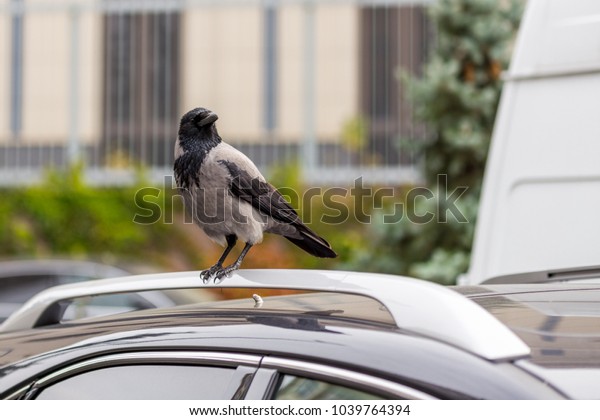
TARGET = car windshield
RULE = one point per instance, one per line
(560, 323)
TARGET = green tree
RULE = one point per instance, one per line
(456, 98)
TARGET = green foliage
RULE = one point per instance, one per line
(64, 216)
(456, 98)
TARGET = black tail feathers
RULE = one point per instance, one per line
(312, 243)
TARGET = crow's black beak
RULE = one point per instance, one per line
(206, 117)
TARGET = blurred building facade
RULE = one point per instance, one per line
(106, 82)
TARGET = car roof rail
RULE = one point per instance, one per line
(548, 276)
(417, 306)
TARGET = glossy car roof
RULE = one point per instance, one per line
(323, 336)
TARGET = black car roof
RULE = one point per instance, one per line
(374, 348)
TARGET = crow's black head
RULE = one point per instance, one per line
(199, 117)
(197, 126)
(197, 136)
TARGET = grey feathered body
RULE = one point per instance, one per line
(218, 212)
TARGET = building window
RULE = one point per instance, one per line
(392, 38)
(141, 87)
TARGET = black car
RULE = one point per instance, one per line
(346, 335)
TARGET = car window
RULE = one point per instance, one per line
(143, 382)
(298, 388)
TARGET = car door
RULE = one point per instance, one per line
(151, 375)
(198, 375)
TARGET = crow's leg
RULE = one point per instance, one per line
(205, 275)
(230, 269)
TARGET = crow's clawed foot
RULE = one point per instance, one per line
(218, 273)
(206, 275)
(225, 272)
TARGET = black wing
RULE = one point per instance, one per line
(267, 200)
(262, 195)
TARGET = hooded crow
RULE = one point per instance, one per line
(229, 198)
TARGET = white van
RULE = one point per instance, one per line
(540, 207)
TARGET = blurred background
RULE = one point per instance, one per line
(316, 93)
